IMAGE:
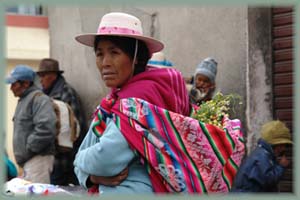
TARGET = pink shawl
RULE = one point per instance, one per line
(162, 87)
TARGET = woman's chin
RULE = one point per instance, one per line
(110, 83)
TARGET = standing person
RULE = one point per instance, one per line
(55, 86)
(262, 170)
(204, 81)
(34, 126)
(132, 146)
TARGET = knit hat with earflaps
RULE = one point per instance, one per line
(276, 132)
(208, 68)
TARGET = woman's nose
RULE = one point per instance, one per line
(200, 83)
(106, 60)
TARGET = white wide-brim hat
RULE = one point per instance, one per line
(121, 24)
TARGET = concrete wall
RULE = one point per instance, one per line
(190, 33)
(259, 73)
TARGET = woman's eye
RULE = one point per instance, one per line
(115, 52)
(99, 54)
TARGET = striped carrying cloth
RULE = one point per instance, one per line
(181, 154)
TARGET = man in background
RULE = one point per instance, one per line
(204, 81)
(54, 85)
(34, 124)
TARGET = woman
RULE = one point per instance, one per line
(204, 81)
(137, 126)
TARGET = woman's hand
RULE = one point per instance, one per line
(110, 180)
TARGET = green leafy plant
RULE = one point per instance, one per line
(213, 111)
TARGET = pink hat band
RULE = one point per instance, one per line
(117, 30)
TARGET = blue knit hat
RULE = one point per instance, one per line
(208, 68)
(20, 73)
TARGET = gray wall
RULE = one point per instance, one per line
(259, 73)
(190, 34)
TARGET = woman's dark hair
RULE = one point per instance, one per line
(127, 45)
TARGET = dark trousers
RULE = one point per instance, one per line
(63, 169)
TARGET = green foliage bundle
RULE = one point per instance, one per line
(213, 111)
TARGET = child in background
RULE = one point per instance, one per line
(263, 168)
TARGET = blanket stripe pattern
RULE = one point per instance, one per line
(181, 154)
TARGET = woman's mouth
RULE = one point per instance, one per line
(108, 75)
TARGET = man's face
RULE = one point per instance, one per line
(47, 79)
(203, 83)
(18, 88)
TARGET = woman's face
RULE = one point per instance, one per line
(114, 64)
(203, 83)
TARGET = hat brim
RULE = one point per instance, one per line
(10, 80)
(39, 72)
(282, 141)
(152, 44)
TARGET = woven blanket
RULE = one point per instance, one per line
(181, 154)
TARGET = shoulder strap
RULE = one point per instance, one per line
(38, 93)
(57, 113)
(74, 124)
(72, 121)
